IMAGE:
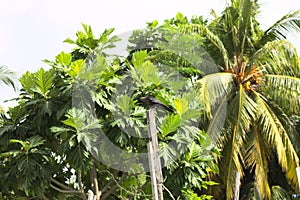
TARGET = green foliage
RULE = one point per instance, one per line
(28, 166)
(79, 130)
(51, 143)
(148, 73)
(70, 117)
(6, 76)
(170, 124)
(191, 170)
(249, 99)
(190, 195)
(39, 82)
(30, 144)
(63, 59)
(86, 42)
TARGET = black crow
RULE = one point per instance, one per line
(152, 101)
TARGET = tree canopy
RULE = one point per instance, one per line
(80, 129)
(250, 101)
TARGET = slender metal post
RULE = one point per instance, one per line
(154, 160)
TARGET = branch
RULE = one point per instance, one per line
(141, 188)
(80, 185)
(71, 190)
(109, 182)
(170, 193)
(65, 191)
(112, 189)
(106, 185)
(94, 182)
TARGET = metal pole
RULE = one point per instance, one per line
(154, 160)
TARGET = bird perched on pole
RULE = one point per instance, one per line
(152, 101)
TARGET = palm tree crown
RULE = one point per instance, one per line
(6, 76)
(249, 102)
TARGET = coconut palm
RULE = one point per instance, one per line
(249, 100)
(6, 76)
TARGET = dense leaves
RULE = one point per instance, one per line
(79, 128)
(249, 102)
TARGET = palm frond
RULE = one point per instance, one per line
(247, 11)
(250, 192)
(214, 39)
(6, 76)
(293, 136)
(289, 22)
(278, 138)
(287, 123)
(229, 165)
(216, 124)
(284, 90)
(279, 193)
(171, 59)
(241, 112)
(212, 89)
(278, 57)
(258, 153)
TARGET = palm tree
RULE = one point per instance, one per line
(255, 92)
(6, 76)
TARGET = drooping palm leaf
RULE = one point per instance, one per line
(229, 164)
(285, 91)
(279, 30)
(6, 76)
(241, 111)
(172, 59)
(215, 40)
(278, 138)
(279, 193)
(287, 123)
(216, 124)
(257, 155)
(212, 89)
(250, 192)
(278, 57)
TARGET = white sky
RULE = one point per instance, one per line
(33, 30)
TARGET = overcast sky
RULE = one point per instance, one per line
(33, 30)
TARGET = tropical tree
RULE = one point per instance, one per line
(6, 77)
(78, 128)
(249, 101)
